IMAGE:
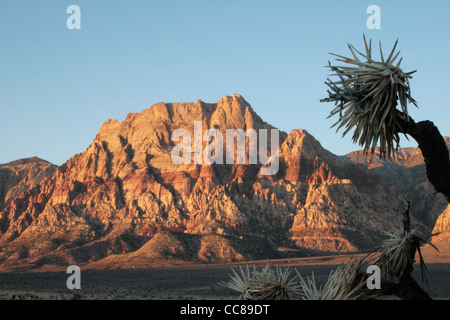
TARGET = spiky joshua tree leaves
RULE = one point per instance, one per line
(367, 94)
(275, 283)
(372, 99)
(344, 283)
(266, 284)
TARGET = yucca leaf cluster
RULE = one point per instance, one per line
(396, 253)
(344, 283)
(265, 284)
(371, 97)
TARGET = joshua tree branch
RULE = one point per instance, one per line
(434, 151)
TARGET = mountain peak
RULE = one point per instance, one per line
(301, 142)
(25, 161)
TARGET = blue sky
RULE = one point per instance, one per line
(57, 86)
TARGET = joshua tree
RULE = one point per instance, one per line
(371, 97)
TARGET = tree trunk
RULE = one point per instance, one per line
(434, 151)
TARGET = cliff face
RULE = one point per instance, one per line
(442, 226)
(406, 173)
(125, 199)
(19, 176)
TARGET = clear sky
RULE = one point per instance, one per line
(57, 86)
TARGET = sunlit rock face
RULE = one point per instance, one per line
(125, 198)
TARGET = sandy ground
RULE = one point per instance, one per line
(181, 282)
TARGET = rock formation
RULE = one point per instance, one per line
(19, 176)
(406, 174)
(123, 199)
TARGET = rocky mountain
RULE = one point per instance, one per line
(442, 226)
(406, 173)
(124, 199)
(19, 176)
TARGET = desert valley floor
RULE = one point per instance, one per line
(187, 282)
